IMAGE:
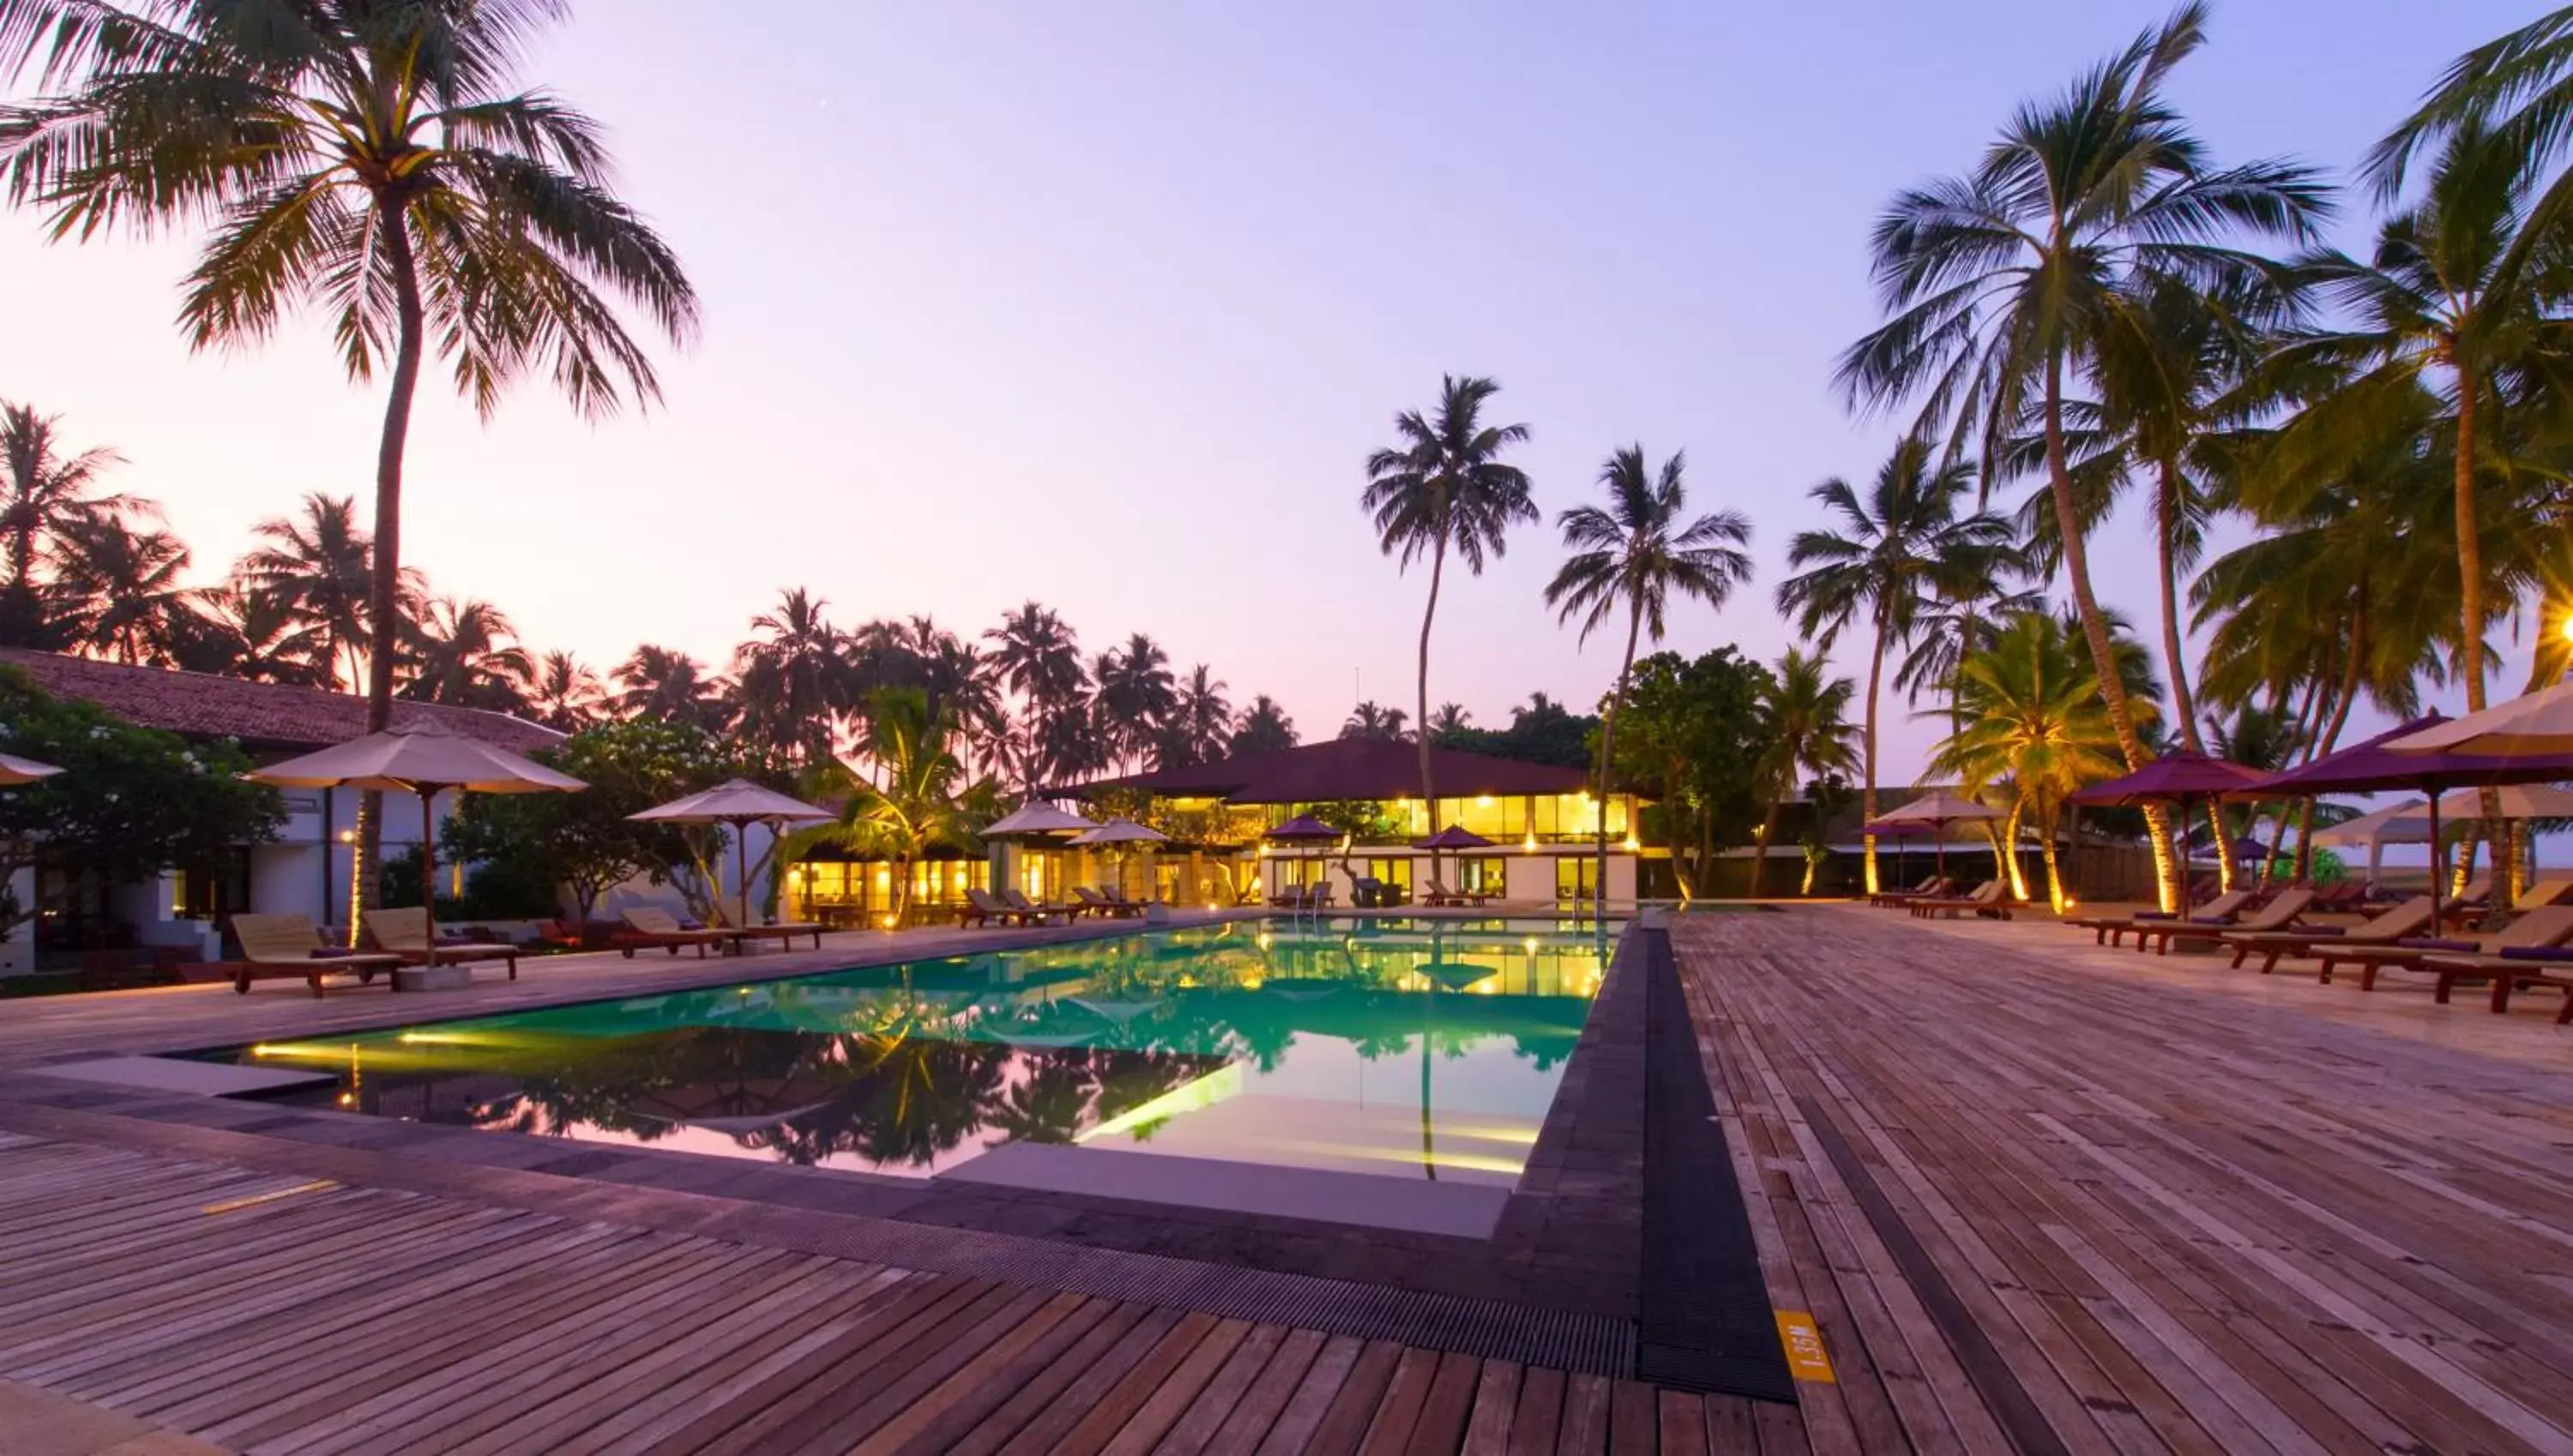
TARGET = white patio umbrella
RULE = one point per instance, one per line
(425, 758)
(2404, 823)
(15, 770)
(1036, 818)
(1939, 810)
(737, 804)
(2410, 822)
(1118, 831)
(2540, 724)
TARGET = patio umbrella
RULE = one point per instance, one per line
(1938, 811)
(424, 758)
(15, 770)
(1899, 833)
(1037, 818)
(1119, 832)
(1304, 827)
(2394, 760)
(2539, 725)
(1453, 837)
(2182, 778)
(737, 804)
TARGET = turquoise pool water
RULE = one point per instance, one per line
(1422, 1050)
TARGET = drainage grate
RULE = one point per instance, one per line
(1703, 1306)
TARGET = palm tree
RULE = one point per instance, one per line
(463, 652)
(1201, 721)
(1037, 656)
(318, 567)
(2035, 718)
(2460, 297)
(564, 694)
(1632, 554)
(1136, 694)
(123, 588)
(1441, 489)
(917, 800)
(666, 683)
(2007, 285)
(2520, 89)
(1810, 735)
(258, 637)
(803, 676)
(48, 494)
(1450, 720)
(1264, 728)
(1901, 547)
(1368, 720)
(366, 157)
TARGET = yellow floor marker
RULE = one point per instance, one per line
(1805, 1357)
(231, 1206)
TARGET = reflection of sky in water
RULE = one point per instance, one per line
(1247, 1041)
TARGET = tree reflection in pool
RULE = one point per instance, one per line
(1416, 1048)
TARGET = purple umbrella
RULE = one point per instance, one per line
(1896, 830)
(2179, 777)
(2373, 767)
(1453, 837)
(1302, 827)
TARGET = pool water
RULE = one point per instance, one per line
(1425, 1049)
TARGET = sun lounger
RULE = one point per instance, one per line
(2514, 970)
(286, 946)
(405, 933)
(1101, 903)
(785, 932)
(2545, 893)
(645, 928)
(1985, 902)
(1034, 913)
(1889, 899)
(2465, 960)
(2111, 929)
(989, 909)
(2410, 918)
(2280, 913)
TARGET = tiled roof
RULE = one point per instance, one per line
(262, 715)
(1350, 768)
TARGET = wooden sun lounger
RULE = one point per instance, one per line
(283, 947)
(2111, 929)
(1985, 902)
(405, 933)
(2278, 914)
(1887, 898)
(645, 928)
(784, 932)
(2410, 918)
(1034, 913)
(2551, 926)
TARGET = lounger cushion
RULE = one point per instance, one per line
(2537, 953)
(2427, 943)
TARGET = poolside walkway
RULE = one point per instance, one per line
(2037, 1197)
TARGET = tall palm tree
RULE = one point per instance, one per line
(1450, 720)
(2005, 284)
(2520, 89)
(1905, 544)
(1201, 722)
(1632, 555)
(1810, 735)
(465, 652)
(915, 801)
(318, 565)
(1038, 657)
(1136, 694)
(123, 589)
(666, 683)
(1264, 728)
(255, 635)
(1443, 488)
(564, 694)
(368, 156)
(1369, 720)
(48, 494)
(2035, 718)
(804, 678)
(2459, 297)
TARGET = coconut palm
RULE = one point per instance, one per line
(1369, 720)
(464, 652)
(1443, 488)
(366, 157)
(913, 799)
(1908, 543)
(1631, 556)
(124, 590)
(2006, 285)
(668, 684)
(317, 565)
(1201, 722)
(2035, 718)
(1450, 720)
(1264, 728)
(1135, 696)
(564, 694)
(802, 679)
(47, 494)
(1810, 735)
(2519, 88)
(1036, 657)
(255, 635)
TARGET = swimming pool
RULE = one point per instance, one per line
(1418, 1049)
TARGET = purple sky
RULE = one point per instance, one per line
(1104, 305)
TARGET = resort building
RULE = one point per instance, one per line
(306, 870)
(1542, 821)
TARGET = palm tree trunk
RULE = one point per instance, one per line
(2053, 870)
(2005, 849)
(1608, 756)
(2172, 646)
(2095, 628)
(1867, 767)
(384, 601)
(2470, 640)
(1768, 837)
(1420, 724)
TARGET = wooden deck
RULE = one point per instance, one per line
(2035, 1197)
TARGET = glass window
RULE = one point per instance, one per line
(1480, 875)
(1576, 877)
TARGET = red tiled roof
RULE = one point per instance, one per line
(1350, 768)
(262, 715)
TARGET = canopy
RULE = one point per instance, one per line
(1940, 808)
(1036, 817)
(1304, 826)
(1120, 831)
(420, 758)
(2539, 725)
(1453, 837)
(15, 770)
(2179, 775)
(737, 802)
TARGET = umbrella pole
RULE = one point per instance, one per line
(741, 873)
(428, 866)
(2438, 864)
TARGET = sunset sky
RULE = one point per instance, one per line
(1104, 304)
